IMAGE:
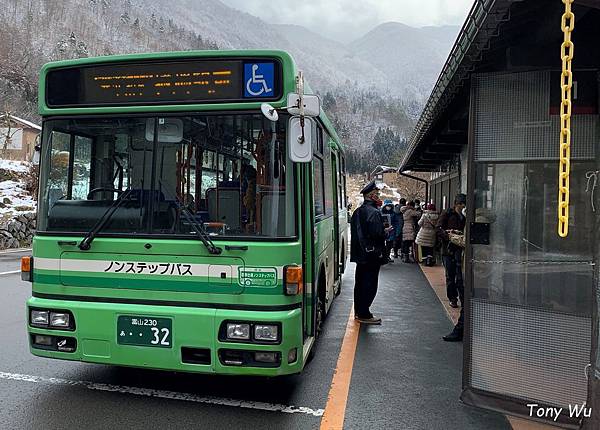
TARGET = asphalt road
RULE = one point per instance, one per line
(80, 400)
(10, 261)
(404, 376)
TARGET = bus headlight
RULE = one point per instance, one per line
(237, 331)
(266, 333)
(39, 318)
(59, 319)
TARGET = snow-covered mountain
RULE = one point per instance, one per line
(411, 58)
(379, 81)
(393, 58)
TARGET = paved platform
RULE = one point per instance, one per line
(404, 375)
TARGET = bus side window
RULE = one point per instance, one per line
(60, 159)
(339, 183)
(343, 181)
(82, 167)
(318, 181)
(328, 175)
(318, 175)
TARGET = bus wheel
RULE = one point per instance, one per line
(338, 290)
(320, 315)
(320, 304)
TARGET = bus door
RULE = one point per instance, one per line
(335, 177)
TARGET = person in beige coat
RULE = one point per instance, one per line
(427, 235)
(409, 214)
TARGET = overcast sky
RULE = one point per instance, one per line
(347, 20)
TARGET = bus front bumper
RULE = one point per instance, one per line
(196, 343)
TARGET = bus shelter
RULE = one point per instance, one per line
(493, 125)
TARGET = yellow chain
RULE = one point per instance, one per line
(567, 50)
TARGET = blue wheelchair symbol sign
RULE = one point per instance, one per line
(259, 79)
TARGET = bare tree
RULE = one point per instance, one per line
(8, 131)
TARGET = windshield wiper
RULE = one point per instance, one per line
(86, 242)
(198, 227)
(200, 231)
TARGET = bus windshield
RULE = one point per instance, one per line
(230, 172)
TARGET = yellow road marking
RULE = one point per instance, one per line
(335, 410)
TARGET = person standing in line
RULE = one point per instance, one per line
(427, 233)
(452, 220)
(408, 231)
(419, 209)
(399, 226)
(367, 250)
(387, 211)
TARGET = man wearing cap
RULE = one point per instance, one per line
(367, 250)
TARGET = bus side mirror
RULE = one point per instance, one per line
(312, 104)
(299, 139)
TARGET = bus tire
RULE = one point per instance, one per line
(338, 290)
(321, 298)
(320, 308)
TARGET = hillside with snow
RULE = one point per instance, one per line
(378, 82)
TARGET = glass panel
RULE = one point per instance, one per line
(318, 190)
(526, 262)
(82, 168)
(230, 171)
(108, 155)
(231, 174)
(328, 178)
(57, 186)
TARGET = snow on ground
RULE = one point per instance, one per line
(15, 166)
(388, 192)
(14, 198)
(355, 183)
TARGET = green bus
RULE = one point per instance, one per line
(192, 213)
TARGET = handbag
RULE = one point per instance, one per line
(457, 239)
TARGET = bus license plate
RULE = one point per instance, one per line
(144, 331)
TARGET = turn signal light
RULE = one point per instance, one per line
(293, 280)
(26, 268)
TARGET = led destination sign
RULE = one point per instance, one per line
(182, 82)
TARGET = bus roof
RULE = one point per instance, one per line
(288, 85)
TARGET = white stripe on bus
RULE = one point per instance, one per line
(163, 394)
(100, 266)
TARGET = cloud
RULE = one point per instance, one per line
(348, 19)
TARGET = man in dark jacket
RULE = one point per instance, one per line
(367, 251)
(453, 220)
